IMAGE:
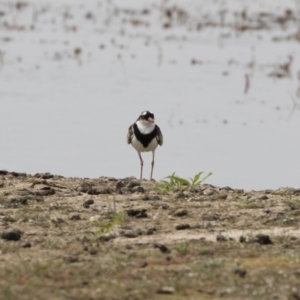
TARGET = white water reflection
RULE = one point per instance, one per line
(69, 114)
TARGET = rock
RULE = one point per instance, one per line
(242, 239)
(241, 272)
(75, 217)
(71, 259)
(150, 197)
(182, 226)
(138, 189)
(151, 230)
(138, 213)
(87, 203)
(166, 290)
(227, 188)
(142, 264)
(11, 235)
(162, 248)
(26, 245)
(93, 250)
(221, 238)
(107, 237)
(95, 218)
(133, 183)
(93, 191)
(130, 234)
(120, 184)
(3, 172)
(263, 197)
(208, 192)
(263, 239)
(46, 175)
(17, 199)
(210, 217)
(45, 192)
(180, 212)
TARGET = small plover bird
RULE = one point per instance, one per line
(144, 136)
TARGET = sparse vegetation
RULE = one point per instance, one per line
(175, 182)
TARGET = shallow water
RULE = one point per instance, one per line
(69, 114)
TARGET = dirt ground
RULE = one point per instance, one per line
(107, 238)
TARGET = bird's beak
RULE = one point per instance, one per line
(150, 119)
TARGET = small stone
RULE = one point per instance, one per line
(145, 198)
(17, 200)
(11, 235)
(45, 192)
(151, 230)
(242, 239)
(210, 217)
(138, 189)
(120, 184)
(71, 259)
(180, 212)
(221, 238)
(93, 191)
(162, 248)
(75, 217)
(263, 197)
(46, 175)
(133, 183)
(182, 226)
(26, 245)
(142, 264)
(95, 218)
(87, 203)
(227, 188)
(93, 251)
(241, 272)
(208, 192)
(166, 290)
(107, 237)
(130, 234)
(263, 239)
(138, 213)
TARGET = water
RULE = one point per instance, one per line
(69, 114)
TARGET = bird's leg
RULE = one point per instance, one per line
(142, 163)
(152, 165)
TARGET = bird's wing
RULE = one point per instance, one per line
(130, 134)
(159, 136)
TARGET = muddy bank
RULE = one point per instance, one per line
(88, 236)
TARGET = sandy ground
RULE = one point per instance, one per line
(57, 232)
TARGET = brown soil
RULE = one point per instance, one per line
(80, 238)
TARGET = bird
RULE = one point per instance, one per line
(144, 136)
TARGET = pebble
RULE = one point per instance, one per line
(133, 183)
(26, 245)
(166, 290)
(263, 239)
(221, 238)
(241, 272)
(182, 226)
(180, 212)
(75, 217)
(138, 213)
(162, 248)
(11, 235)
(87, 203)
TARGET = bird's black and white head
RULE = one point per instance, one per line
(145, 122)
(146, 116)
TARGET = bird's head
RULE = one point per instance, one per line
(146, 116)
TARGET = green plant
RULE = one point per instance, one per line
(182, 248)
(176, 182)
